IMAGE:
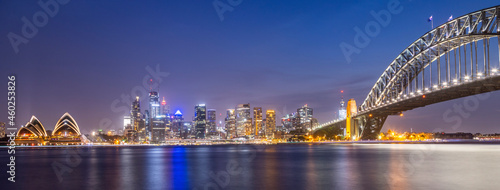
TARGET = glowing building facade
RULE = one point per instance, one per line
(257, 122)
(200, 120)
(243, 120)
(230, 124)
(270, 123)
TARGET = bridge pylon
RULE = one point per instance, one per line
(370, 126)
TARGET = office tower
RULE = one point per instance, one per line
(127, 123)
(342, 110)
(211, 123)
(304, 114)
(200, 116)
(270, 123)
(165, 114)
(177, 125)
(257, 122)
(165, 108)
(158, 130)
(287, 122)
(135, 113)
(154, 104)
(187, 130)
(230, 124)
(243, 120)
(142, 133)
(147, 125)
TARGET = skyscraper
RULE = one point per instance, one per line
(287, 122)
(257, 122)
(177, 124)
(165, 108)
(305, 114)
(200, 116)
(212, 123)
(154, 104)
(342, 110)
(135, 120)
(156, 119)
(243, 120)
(270, 123)
(230, 124)
(158, 130)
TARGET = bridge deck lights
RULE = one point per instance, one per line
(435, 86)
(494, 70)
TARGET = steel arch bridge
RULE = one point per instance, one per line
(443, 64)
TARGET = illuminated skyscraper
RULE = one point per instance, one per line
(257, 122)
(305, 115)
(230, 124)
(211, 123)
(342, 110)
(287, 122)
(135, 132)
(243, 120)
(270, 123)
(165, 108)
(154, 104)
(200, 120)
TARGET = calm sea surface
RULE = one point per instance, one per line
(286, 166)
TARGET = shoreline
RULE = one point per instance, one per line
(278, 143)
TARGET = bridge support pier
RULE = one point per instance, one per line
(370, 126)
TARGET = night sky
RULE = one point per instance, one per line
(91, 58)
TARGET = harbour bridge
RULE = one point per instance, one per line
(450, 61)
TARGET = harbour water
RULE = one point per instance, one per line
(282, 166)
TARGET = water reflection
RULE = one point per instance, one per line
(179, 169)
(298, 166)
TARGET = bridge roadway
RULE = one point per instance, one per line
(450, 92)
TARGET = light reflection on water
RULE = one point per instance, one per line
(295, 166)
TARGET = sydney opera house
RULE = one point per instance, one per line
(66, 132)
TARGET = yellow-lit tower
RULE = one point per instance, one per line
(351, 131)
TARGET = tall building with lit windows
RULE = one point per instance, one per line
(257, 122)
(230, 124)
(157, 123)
(165, 108)
(270, 123)
(137, 131)
(154, 104)
(211, 123)
(200, 120)
(243, 120)
(342, 110)
(305, 116)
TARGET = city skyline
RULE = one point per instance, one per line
(73, 72)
